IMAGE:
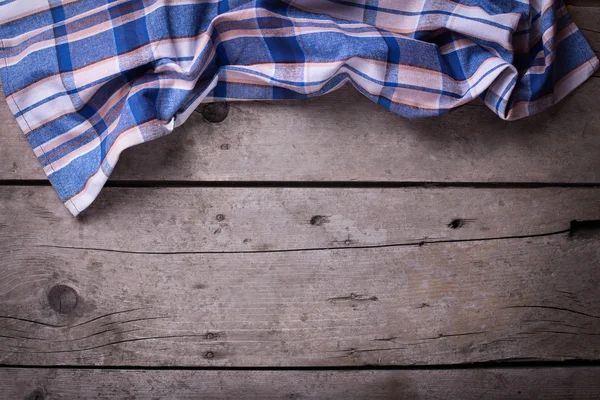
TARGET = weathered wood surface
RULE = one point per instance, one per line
(345, 137)
(582, 3)
(276, 219)
(274, 277)
(215, 283)
(490, 384)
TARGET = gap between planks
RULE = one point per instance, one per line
(492, 384)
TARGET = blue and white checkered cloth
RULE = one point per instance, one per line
(86, 79)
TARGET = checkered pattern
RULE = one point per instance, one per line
(88, 78)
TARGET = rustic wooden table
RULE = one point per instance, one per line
(316, 249)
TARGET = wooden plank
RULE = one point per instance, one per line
(345, 137)
(261, 219)
(176, 293)
(583, 3)
(491, 384)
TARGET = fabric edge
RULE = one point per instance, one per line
(562, 90)
(24, 126)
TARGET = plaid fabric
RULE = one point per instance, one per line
(86, 79)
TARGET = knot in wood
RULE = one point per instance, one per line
(63, 299)
(456, 223)
(215, 112)
(319, 220)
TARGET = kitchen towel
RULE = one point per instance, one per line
(86, 79)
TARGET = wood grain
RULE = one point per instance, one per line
(491, 384)
(275, 219)
(345, 137)
(217, 277)
(175, 293)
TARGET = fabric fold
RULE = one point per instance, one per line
(87, 79)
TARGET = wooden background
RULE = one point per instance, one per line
(316, 249)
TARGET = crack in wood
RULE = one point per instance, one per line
(7, 317)
(554, 322)
(103, 345)
(95, 334)
(12, 329)
(81, 338)
(104, 316)
(446, 335)
(354, 297)
(569, 295)
(19, 337)
(32, 321)
(589, 30)
(440, 336)
(567, 333)
(133, 320)
(351, 352)
(379, 246)
(557, 309)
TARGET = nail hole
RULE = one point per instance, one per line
(215, 112)
(63, 299)
(319, 220)
(210, 354)
(220, 217)
(584, 229)
(456, 223)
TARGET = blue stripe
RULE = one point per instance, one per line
(420, 13)
(273, 61)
